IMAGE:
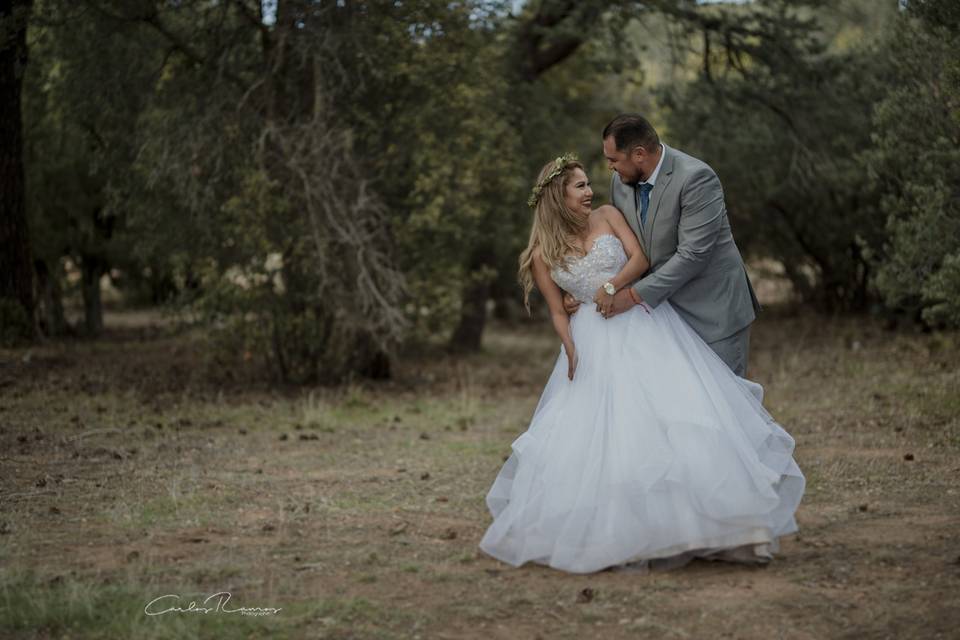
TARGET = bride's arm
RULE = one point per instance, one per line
(554, 297)
(637, 263)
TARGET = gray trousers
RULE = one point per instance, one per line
(734, 350)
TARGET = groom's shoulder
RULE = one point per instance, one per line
(689, 165)
(687, 161)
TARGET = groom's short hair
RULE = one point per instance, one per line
(630, 130)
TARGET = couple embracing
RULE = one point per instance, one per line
(648, 448)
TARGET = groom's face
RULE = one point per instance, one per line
(622, 162)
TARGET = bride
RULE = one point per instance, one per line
(645, 450)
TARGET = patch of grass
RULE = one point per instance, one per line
(444, 576)
(215, 574)
(361, 500)
(356, 397)
(590, 617)
(465, 557)
(313, 413)
(360, 617)
(486, 448)
(644, 626)
(67, 607)
(174, 506)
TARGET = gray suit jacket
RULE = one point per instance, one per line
(694, 261)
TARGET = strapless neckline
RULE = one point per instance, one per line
(581, 276)
(593, 246)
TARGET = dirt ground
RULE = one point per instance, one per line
(135, 467)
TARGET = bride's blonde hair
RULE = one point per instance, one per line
(556, 230)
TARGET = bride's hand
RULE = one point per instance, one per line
(573, 359)
(604, 302)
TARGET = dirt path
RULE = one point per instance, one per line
(133, 468)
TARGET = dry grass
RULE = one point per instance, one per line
(132, 468)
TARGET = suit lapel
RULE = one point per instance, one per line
(628, 206)
(656, 194)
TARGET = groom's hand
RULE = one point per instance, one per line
(570, 304)
(622, 301)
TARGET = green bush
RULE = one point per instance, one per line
(915, 161)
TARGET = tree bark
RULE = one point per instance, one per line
(16, 263)
(546, 37)
(50, 294)
(91, 269)
(473, 316)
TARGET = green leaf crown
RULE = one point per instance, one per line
(559, 165)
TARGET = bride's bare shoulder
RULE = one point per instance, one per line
(606, 215)
(607, 211)
(536, 259)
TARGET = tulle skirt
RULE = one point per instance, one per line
(655, 452)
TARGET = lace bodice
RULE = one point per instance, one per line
(584, 275)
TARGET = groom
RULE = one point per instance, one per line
(674, 204)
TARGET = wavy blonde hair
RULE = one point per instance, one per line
(556, 229)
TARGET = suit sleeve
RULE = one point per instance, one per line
(701, 221)
(613, 191)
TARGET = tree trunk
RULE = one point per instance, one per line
(473, 316)
(374, 363)
(16, 264)
(52, 318)
(92, 269)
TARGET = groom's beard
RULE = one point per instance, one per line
(637, 179)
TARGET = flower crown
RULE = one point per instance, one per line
(559, 165)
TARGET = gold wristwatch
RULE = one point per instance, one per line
(609, 288)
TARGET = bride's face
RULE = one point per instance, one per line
(578, 195)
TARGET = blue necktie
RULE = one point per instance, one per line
(642, 192)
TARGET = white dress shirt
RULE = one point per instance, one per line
(652, 180)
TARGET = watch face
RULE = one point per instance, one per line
(609, 288)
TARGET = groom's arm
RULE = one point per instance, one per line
(701, 219)
(627, 295)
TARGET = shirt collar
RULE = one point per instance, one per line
(652, 180)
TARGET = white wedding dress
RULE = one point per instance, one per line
(655, 453)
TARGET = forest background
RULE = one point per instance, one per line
(322, 183)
